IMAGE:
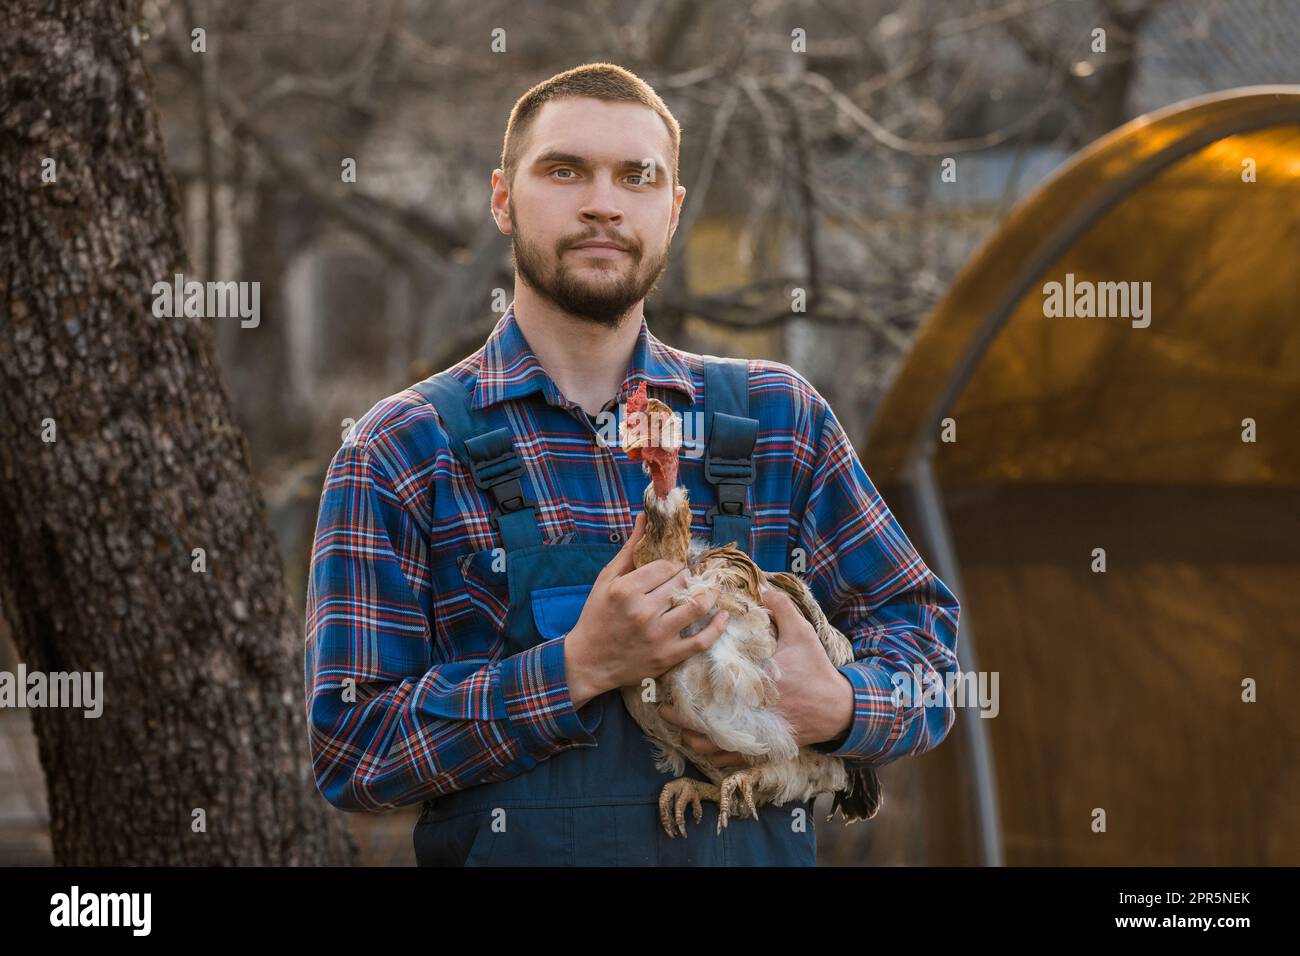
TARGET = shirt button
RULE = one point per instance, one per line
(615, 537)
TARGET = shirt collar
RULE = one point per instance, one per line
(510, 369)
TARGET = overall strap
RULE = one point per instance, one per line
(729, 452)
(489, 454)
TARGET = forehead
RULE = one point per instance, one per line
(602, 131)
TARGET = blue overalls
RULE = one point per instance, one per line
(596, 806)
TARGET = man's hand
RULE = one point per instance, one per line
(629, 629)
(814, 696)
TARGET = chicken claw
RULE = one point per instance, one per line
(677, 794)
(745, 780)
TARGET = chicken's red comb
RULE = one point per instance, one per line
(634, 411)
(637, 398)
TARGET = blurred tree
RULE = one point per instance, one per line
(118, 459)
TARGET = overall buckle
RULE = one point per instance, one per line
(729, 476)
(496, 468)
(731, 501)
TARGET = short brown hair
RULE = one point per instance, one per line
(602, 81)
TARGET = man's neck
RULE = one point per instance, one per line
(586, 360)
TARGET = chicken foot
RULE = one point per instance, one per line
(685, 792)
(744, 780)
(680, 793)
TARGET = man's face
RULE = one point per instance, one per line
(593, 171)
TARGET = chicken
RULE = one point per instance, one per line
(727, 691)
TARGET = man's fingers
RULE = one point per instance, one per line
(703, 745)
(727, 758)
(779, 603)
(648, 577)
(775, 598)
(638, 530)
(622, 562)
(790, 622)
(665, 590)
(704, 640)
(684, 615)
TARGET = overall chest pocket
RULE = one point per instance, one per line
(556, 610)
(487, 585)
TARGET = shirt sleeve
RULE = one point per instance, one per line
(874, 587)
(388, 726)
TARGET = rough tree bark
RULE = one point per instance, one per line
(203, 693)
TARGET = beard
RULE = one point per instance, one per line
(603, 299)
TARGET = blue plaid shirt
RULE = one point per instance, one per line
(409, 691)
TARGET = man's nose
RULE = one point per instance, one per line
(602, 204)
(596, 213)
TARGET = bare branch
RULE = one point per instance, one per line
(890, 140)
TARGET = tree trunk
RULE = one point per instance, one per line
(202, 670)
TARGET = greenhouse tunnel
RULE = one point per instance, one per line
(1025, 449)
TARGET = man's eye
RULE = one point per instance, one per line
(562, 169)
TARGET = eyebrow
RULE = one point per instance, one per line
(556, 156)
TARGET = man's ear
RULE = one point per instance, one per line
(679, 196)
(503, 220)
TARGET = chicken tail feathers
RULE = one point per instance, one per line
(862, 799)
